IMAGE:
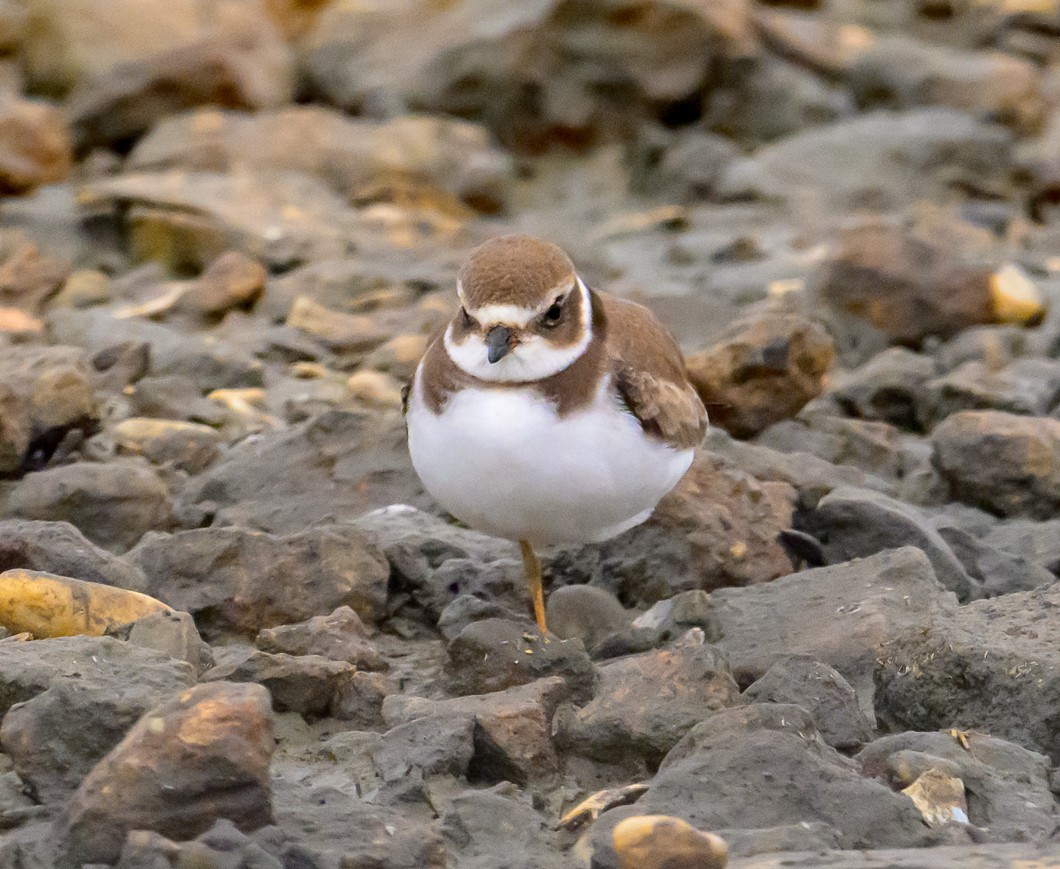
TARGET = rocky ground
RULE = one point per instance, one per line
(239, 634)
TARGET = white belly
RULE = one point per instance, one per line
(503, 462)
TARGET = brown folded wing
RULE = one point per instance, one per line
(650, 376)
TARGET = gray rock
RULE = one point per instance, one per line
(855, 523)
(494, 654)
(171, 632)
(646, 703)
(997, 572)
(1007, 464)
(1027, 386)
(431, 745)
(994, 665)
(1007, 786)
(173, 397)
(1037, 541)
(332, 468)
(844, 615)
(881, 157)
(70, 701)
(466, 608)
(59, 548)
(113, 504)
(821, 691)
(674, 616)
(886, 387)
(512, 729)
(474, 820)
(209, 364)
(238, 581)
(768, 767)
(586, 613)
(432, 563)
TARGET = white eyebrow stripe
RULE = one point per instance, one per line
(515, 315)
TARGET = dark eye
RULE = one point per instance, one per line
(553, 314)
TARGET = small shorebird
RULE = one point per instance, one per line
(547, 412)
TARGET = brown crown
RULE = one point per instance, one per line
(515, 270)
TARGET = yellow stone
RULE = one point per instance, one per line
(662, 842)
(48, 606)
(1016, 297)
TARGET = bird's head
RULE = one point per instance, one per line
(524, 314)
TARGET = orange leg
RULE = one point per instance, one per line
(533, 576)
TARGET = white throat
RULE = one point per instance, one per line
(534, 358)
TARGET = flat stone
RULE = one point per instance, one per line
(855, 523)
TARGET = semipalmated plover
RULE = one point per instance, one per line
(547, 412)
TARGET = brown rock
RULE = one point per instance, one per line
(512, 729)
(185, 445)
(70, 40)
(34, 145)
(718, 527)
(27, 276)
(233, 280)
(201, 756)
(763, 369)
(14, 431)
(340, 636)
(480, 58)
(306, 684)
(899, 72)
(235, 57)
(232, 579)
(909, 282)
(359, 700)
(399, 356)
(1002, 462)
(295, 17)
(335, 329)
(186, 220)
(661, 842)
(356, 157)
